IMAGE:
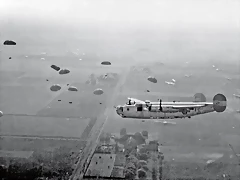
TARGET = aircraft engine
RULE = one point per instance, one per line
(219, 103)
(184, 111)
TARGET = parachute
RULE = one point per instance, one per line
(64, 71)
(106, 63)
(98, 91)
(72, 88)
(55, 67)
(1, 113)
(55, 87)
(152, 79)
(9, 42)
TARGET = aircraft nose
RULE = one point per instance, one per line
(119, 110)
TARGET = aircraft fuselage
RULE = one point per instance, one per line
(142, 111)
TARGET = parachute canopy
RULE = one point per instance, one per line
(55, 87)
(9, 42)
(152, 79)
(105, 63)
(1, 113)
(98, 91)
(72, 88)
(55, 67)
(64, 71)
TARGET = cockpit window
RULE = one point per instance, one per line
(130, 102)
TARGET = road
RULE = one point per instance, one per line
(98, 127)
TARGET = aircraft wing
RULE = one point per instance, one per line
(184, 106)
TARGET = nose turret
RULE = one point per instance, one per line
(119, 110)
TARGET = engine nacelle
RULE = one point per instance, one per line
(184, 111)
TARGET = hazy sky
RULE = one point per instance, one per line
(221, 13)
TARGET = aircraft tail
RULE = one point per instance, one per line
(199, 97)
(219, 102)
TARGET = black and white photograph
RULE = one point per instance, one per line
(120, 89)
